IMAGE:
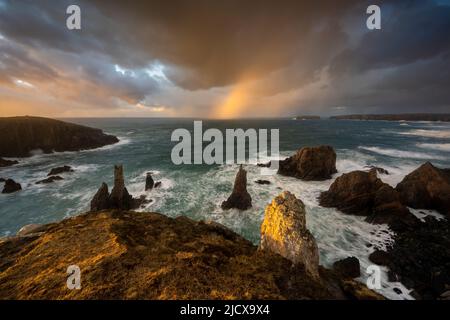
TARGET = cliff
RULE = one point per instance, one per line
(397, 117)
(131, 255)
(20, 135)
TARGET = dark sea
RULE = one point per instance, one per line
(197, 191)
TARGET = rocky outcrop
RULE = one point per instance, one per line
(21, 135)
(284, 232)
(363, 193)
(7, 163)
(239, 198)
(119, 198)
(59, 170)
(11, 186)
(149, 182)
(133, 255)
(427, 187)
(50, 180)
(101, 199)
(310, 163)
(419, 258)
(348, 267)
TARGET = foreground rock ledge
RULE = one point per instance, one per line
(131, 255)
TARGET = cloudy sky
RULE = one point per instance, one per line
(223, 58)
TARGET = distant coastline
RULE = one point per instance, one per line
(307, 118)
(397, 117)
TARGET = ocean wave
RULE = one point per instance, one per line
(401, 154)
(435, 146)
(427, 133)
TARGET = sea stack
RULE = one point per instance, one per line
(239, 198)
(310, 163)
(149, 182)
(120, 198)
(284, 232)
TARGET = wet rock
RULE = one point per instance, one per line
(7, 163)
(239, 198)
(59, 170)
(348, 267)
(149, 182)
(379, 257)
(421, 258)
(427, 187)
(2, 179)
(11, 186)
(378, 169)
(157, 184)
(363, 193)
(310, 163)
(262, 181)
(284, 232)
(101, 199)
(50, 180)
(264, 165)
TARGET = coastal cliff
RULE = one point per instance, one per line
(20, 135)
(134, 255)
(397, 117)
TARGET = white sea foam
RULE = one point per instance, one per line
(427, 133)
(422, 213)
(402, 154)
(435, 146)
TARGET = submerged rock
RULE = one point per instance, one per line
(149, 183)
(363, 193)
(7, 163)
(310, 163)
(378, 169)
(157, 184)
(262, 181)
(284, 232)
(11, 186)
(348, 267)
(427, 187)
(239, 198)
(50, 180)
(59, 170)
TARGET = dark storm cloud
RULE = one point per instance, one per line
(282, 46)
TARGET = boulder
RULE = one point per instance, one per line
(50, 179)
(310, 163)
(284, 232)
(264, 165)
(379, 257)
(149, 183)
(363, 193)
(239, 198)
(427, 187)
(11, 186)
(7, 163)
(29, 229)
(262, 181)
(59, 170)
(119, 197)
(157, 184)
(348, 267)
(101, 199)
(2, 179)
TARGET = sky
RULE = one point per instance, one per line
(223, 59)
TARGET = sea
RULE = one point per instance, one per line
(197, 191)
